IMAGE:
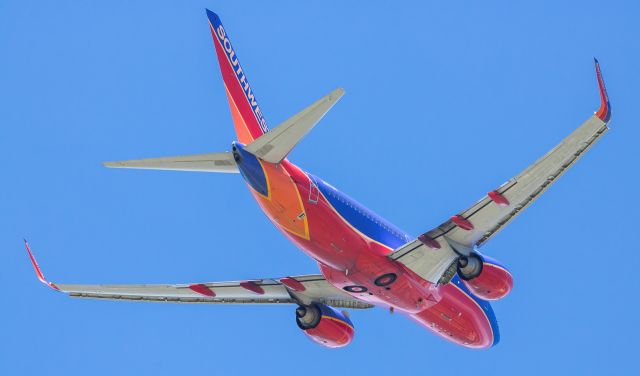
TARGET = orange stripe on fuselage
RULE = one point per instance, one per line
(242, 131)
(284, 204)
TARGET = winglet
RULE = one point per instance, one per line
(604, 112)
(37, 268)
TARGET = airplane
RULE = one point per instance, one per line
(438, 279)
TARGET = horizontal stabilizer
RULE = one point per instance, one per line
(274, 145)
(212, 162)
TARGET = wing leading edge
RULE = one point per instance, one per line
(474, 226)
(304, 289)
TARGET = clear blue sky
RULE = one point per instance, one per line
(444, 102)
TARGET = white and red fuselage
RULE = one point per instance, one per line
(350, 242)
(351, 245)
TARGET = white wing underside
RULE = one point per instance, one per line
(434, 253)
(303, 289)
(316, 289)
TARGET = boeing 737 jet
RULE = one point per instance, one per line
(439, 279)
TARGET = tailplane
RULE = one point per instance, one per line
(212, 162)
(274, 145)
(251, 128)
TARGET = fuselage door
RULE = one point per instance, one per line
(314, 192)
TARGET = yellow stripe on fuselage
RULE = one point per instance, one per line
(337, 319)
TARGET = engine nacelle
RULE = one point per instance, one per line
(494, 281)
(325, 325)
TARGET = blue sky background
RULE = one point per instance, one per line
(444, 102)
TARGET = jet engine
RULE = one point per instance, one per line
(325, 325)
(485, 277)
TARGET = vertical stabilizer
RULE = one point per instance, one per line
(247, 116)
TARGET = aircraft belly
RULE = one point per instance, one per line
(459, 318)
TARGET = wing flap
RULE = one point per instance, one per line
(430, 264)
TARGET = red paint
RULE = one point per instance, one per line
(36, 267)
(379, 249)
(345, 255)
(462, 222)
(331, 332)
(429, 242)
(252, 286)
(603, 111)
(293, 284)
(457, 318)
(346, 258)
(339, 248)
(408, 292)
(236, 95)
(202, 290)
(494, 283)
(332, 242)
(498, 198)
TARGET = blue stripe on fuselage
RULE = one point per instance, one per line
(363, 219)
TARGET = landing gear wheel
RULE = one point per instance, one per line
(355, 288)
(385, 279)
(469, 267)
